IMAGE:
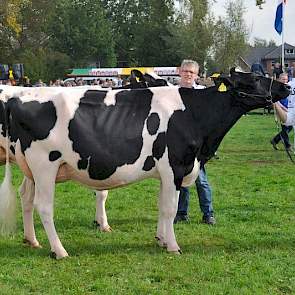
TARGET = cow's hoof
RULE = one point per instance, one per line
(106, 229)
(54, 256)
(34, 245)
(161, 242)
(177, 252)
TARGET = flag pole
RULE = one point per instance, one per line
(283, 29)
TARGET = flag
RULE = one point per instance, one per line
(279, 16)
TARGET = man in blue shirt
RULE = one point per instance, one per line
(189, 71)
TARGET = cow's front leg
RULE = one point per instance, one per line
(100, 215)
(27, 192)
(168, 201)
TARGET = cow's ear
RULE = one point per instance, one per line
(232, 71)
(224, 83)
(137, 74)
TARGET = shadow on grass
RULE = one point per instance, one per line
(94, 246)
(234, 246)
(119, 223)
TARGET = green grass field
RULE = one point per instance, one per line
(250, 250)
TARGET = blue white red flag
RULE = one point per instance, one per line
(279, 16)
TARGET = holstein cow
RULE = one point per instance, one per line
(27, 187)
(107, 139)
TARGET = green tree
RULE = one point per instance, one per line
(45, 64)
(230, 36)
(193, 33)
(259, 42)
(142, 30)
(80, 30)
(22, 26)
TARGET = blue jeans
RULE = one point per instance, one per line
(204, 193)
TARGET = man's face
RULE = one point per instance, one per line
(284, 79)
(188, 74)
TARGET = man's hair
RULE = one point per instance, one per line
(186, 62)
(282, 75)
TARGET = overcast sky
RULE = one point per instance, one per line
(261, 21)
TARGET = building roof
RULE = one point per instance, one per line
(276, 53)
(265, 53)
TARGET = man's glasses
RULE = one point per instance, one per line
(188, 72)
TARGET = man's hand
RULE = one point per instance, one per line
(280, 112)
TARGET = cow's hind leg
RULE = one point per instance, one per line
(100, 215)
(168, 201)
(44, 175)
(161, 229)
(27, 192)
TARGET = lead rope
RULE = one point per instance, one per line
(279, 129)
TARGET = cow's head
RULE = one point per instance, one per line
(150, 79)
(252, 90)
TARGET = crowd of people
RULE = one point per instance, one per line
(104, 83)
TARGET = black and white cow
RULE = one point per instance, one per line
(107, 139)
(7, 225)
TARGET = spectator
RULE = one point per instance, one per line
(189, 70)
(119, 81)
(79, 82)
(277, 70)
(288, 117)
(283, 135)
(257, 68)
(290, 71)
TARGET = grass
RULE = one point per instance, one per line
(249, 251)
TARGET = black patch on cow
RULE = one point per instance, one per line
(12, 149)
(109, 136)
(82, 164)
(54, 155)
(149, 163)
(153, 123)
(159, 145)
(3, 117)
(30, 121)
(197, 131)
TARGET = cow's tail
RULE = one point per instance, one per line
(7, 195)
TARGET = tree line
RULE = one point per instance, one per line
(49, 37)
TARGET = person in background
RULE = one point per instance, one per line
(291, 71)
(287, 116)
(283, 135)
(257, 68)
(277, 70)
(189, 71)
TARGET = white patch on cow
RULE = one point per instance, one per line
(165, 103)
(110, 98)
(190, 179)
